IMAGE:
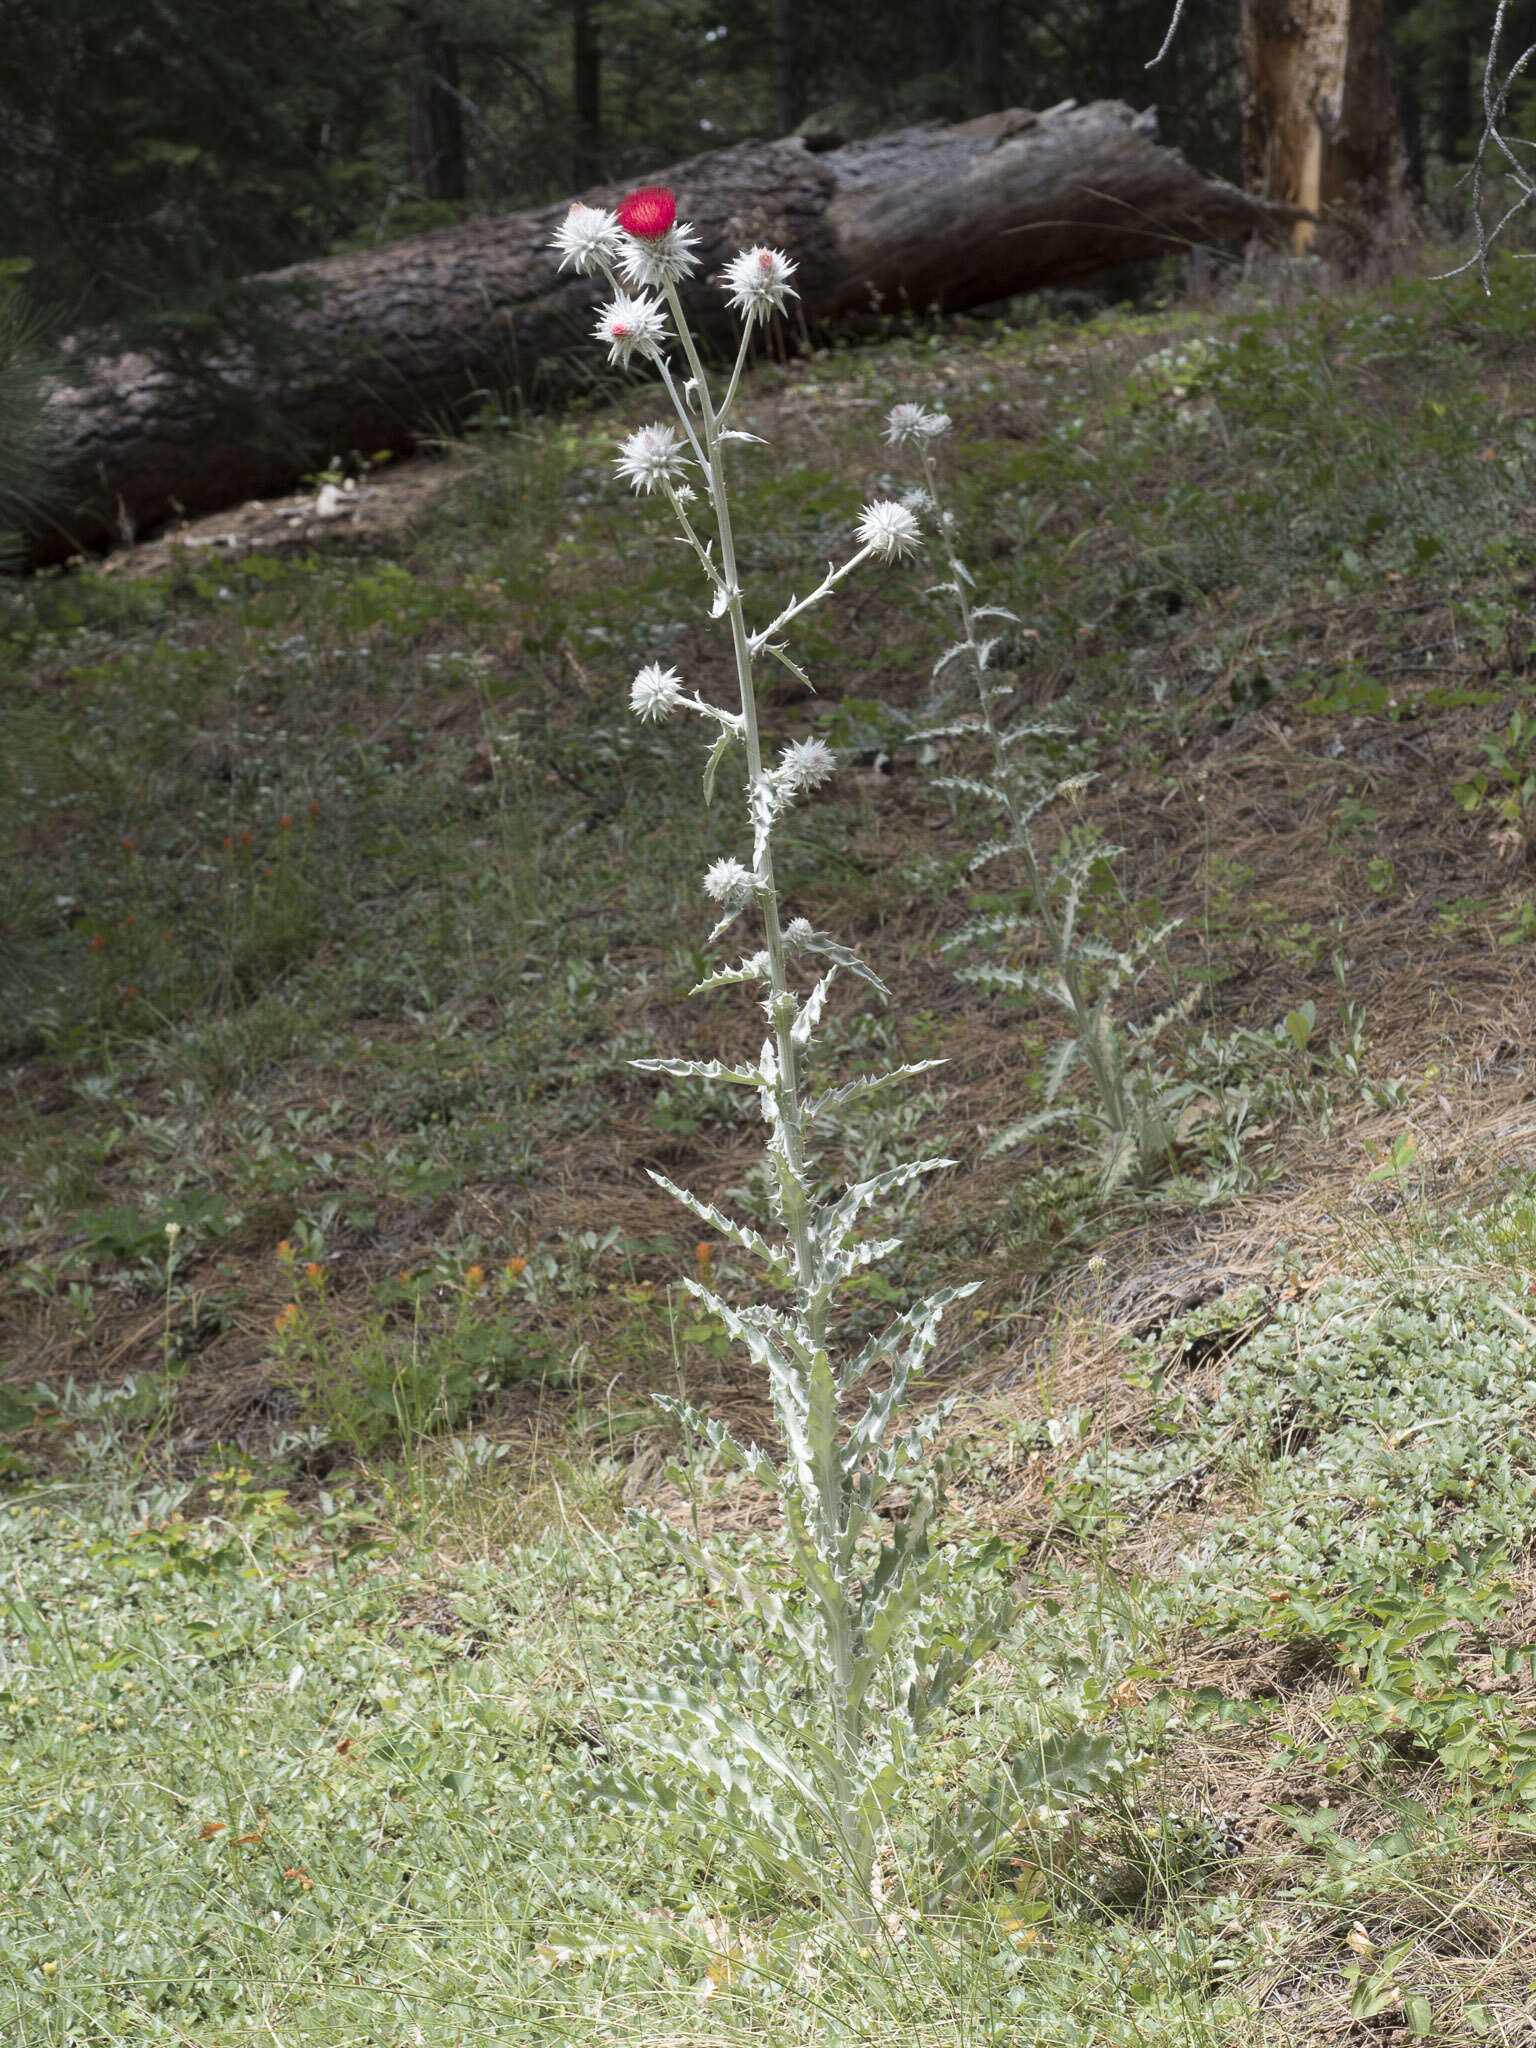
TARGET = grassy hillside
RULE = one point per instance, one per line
(342, 885)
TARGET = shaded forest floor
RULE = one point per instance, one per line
(341, 886)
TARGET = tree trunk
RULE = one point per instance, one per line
(437, 119)
(587, 92)
(399, 339)
(987, 55)
(1458, 120)
(937, 37)
(1319, 112)
(784, 63)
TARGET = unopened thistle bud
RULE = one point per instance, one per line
(889, 530)
(915, 423)
(657, 249)
(656, 692)
(803, 765)
(757, 282)
(652, 456)
(588, 238)
(630, 325)
(729, 883)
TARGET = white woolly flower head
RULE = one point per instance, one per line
(656, 692)
(802, 765)
(629, 325)
(651, 456)
(889, 530)
(729, 883)
(588, 238)
(757, 282)
(652, 262)
(799, 931)
(915, 423)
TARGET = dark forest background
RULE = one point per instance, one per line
(153, 154)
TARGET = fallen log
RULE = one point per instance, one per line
(395, 342)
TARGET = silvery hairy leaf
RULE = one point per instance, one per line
(994, 926)
(1059, 1064)
(742, 1457)
(726, 977)
(784, 661)
(907, 1338)
(965, 785)
(1060, 1770)
(740, 1234)
(866, 1084)
(1035, 729)
(994, 849)
(724, 740)
(958, 729)
(819, 942)
(809, 1016)
(1031, 1127)
(699, 1070)
(839, 1217)
(755, 1599)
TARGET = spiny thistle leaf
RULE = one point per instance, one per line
(818, 942)
(1060, 1771)
(866, 1084)
(740, 1234)
(700, 1070)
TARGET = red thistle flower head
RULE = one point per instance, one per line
(648, 213)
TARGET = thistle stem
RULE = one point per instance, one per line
(782, 1003)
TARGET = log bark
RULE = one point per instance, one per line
(1320, 112)
(398, 341)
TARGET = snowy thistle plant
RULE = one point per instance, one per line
(796, 1756)
(1136, 1113)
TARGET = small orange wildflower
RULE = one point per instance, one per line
(285, 823)
(126, 844)
(286, 1317)
(703, 1254)
(284, 1253)
(516, 1268)
(474, 1276)
(314, 1272)
(98, 941)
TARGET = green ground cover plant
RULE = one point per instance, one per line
(307, 1765)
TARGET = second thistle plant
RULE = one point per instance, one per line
(804, 1745)
(1136, 1110)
